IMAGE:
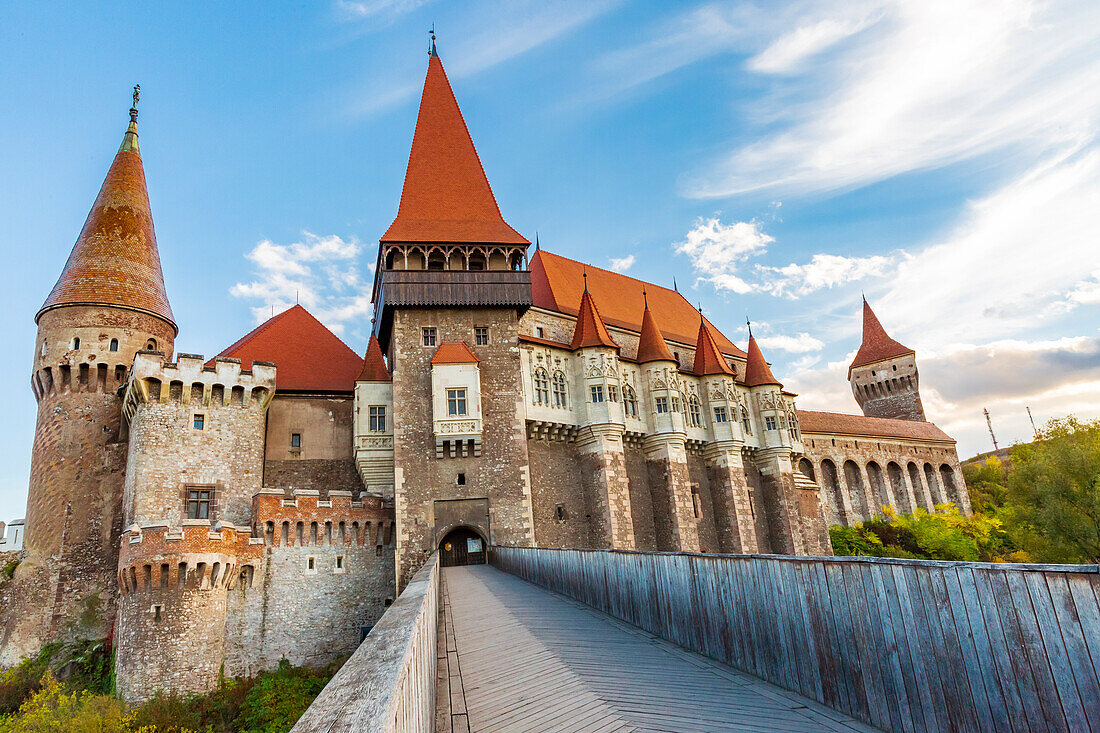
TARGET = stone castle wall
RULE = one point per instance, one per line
(324, 461)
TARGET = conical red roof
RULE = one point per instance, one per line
(590, 329)
(877, 345)
(651, 344)
(446, 197)
(115, 259)
(708, 357)
(374, 366)
(307, 356)
(757, 371)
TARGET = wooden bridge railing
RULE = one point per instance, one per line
(389, 682)
(905, 645)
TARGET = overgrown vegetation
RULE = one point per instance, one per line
(1042, 506)
(32, 700)
(8, 571)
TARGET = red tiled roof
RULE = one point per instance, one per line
(446, 196)
(374, 366)
(115, 259)
(757, 371)
(590, 329)
(708, 358)
(307, 356)
(454, 352)
(556, 285)
(877, 345)
(651, 344)
(837, 423)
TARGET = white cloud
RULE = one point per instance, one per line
(787, 53)
(718, 253)
(321, 273)
(351, 10)
(800, 343)
(622, 264)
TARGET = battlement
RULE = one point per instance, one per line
(66, 378)
(308, 520)
(194, 556)
(189, 381)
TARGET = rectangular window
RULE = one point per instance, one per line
(456, 401)
(199, 420)
(597, 393)
(612, 393)
(720, 414)
(295, 440)
(676, 404)
(540, 332)
(769, 423)
(198, 503)
(429, 336)
(662, 404)
(378, 418)
(481, 336)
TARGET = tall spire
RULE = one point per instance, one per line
(446, 196)
(651, 344)
(757, 371)
(708, 357)
(115, 261)
(877, 345)
(374, 366)
(590, 329)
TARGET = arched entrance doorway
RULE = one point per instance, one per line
(462, 546)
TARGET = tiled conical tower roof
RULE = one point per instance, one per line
(374, 366)
(708, 357)
(446, 197)
(877, 345)
(757, 371)
(590, 329)
(651, 344)
(115, 261)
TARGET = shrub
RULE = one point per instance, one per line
(279, 698)
(20, 682)
(53, 708)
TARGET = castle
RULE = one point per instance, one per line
(217, 515)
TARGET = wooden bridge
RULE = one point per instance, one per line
(516, 657)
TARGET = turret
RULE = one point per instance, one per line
(374, 422)
(883, 374)
(108, 303)
(662, 375)
(597, 358)
(774, 411)
(723, 410)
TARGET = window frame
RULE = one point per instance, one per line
(541, 381)
(206, 496)
(376, 418)
(630, 401)
(428, 336)
(661, 405)
(460, 397)
(721, 415)
(559, 390)
(198, 421)
(481, 335)
(596, 393)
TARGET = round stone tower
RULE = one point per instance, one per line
(883, 374)
(109, 303)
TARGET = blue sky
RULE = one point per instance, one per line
(776, 159)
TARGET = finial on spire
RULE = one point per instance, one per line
(699, 307)
(431, 35)
(584, 274)
(536, 241)
(749, 324)
(864, 296)
(674, 285)
(133, 109)
(645, 299)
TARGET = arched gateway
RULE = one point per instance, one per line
(462, 546)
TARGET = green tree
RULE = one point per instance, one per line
(986, 483)
(1054, 487)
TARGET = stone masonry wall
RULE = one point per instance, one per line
(320, 474)
(556, 480)
(500, 473)
(706, 516)
(641, 499)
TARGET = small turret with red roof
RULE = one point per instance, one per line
(883, 374)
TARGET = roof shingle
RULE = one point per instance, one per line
(838, 423)
(757, 371)
(454, 352)
(877, 345)
(374, 365)
(590, 329)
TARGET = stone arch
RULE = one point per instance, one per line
(934, 487)
(831, 485)
(918, 488)
(853, 478)
(455, 546)
(947, 479)
(897, 485)
(878, 485)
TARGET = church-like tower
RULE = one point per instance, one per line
(108, 304)
(884, 374)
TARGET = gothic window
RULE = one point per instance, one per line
(630, 402)
(769, 423)
(782, 422)
(693, 412)
(542, 387)
(597, 393)
(377, 418)
(746, 423)
(429, 336)
(720, 415)
(612, 393)
(792, 425)
(559, 390)
(662, 404)
(198, 503)
(481, 335)
(456, 401)
(676, 404)
(114, 344)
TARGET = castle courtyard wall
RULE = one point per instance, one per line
(556, 482)
(325, 459)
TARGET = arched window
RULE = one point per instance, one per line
(694, 417)
(746, 424)
(792, 426)
(477, 261)
(76, 343)
(114, 344)
(559, 390)
(151, 345)
(630, 401)
(436, 260)
(542, 387)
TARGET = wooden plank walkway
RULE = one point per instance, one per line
(516, 657)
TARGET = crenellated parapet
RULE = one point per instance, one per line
(190, 381)
(195, 556)
(306, 519)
